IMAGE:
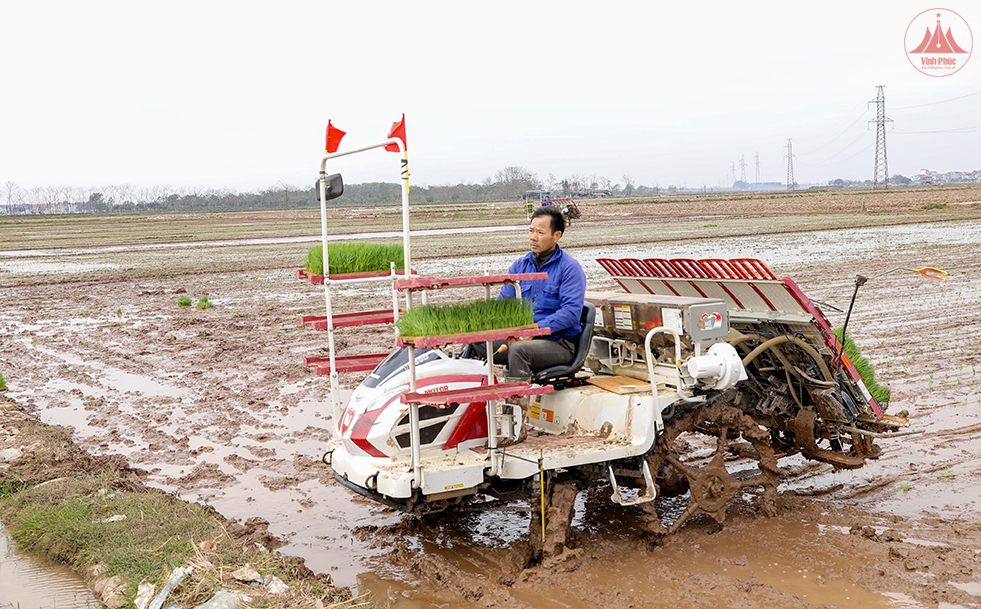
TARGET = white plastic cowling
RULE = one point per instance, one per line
(720, 367)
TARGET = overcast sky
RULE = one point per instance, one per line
(237, 95)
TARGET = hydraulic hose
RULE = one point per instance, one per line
(779, 340)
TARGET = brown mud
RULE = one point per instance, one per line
(216, 406)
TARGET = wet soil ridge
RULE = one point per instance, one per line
(95, 514)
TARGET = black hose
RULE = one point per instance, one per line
(859, 281)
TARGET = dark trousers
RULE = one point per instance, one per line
(524, 356)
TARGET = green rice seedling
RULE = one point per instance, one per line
(865, 369)
(355, 258)
(184, 301)
(477, 316)
(3, 382)
(204, 303)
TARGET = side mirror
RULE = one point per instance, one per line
(333, 186)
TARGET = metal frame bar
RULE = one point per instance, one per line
(677, 362)
(335, 392)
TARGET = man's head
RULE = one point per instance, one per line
(547, 226)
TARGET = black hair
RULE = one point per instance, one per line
(558, 220)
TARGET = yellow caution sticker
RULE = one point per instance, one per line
(542, 414)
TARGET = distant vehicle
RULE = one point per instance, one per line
(535, 198)
(592, 194)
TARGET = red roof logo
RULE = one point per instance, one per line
(945, 45)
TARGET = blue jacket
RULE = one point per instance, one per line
(558, 300)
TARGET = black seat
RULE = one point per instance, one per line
(566, 372)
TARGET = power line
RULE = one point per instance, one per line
(832, 140)
(822, 163)
(942, 101)
(849, 158)
(973, 129)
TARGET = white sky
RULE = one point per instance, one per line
(216, 94)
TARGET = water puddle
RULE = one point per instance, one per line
(61, 267)
(898, 600)
(28, 581)
(792, 557)
(972, 588)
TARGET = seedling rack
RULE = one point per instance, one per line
(408, 285)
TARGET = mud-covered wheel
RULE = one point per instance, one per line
(710, 485)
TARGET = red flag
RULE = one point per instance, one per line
(398, 130)
(334, 136)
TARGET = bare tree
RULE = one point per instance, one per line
(628, 185)
(35, 200)
(84, 195)
(287, 189)
(512, 182)
(51, 198)
(159, 192)
(578, 182)
(124, 194)
(12, 196)
(72, 197)
(551, 181)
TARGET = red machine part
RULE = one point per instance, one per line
(319, 279)
(469, 426)
(351, 363)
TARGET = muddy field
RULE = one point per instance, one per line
(217, 407)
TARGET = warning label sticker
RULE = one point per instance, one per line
(672, 320)
(621, 317)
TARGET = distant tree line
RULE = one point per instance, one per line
(897, 179)
(508, 184)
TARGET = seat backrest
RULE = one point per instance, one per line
(568, 371)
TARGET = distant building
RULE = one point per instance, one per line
(925, 176)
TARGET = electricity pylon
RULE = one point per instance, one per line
(790, 166)
(880, 175)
